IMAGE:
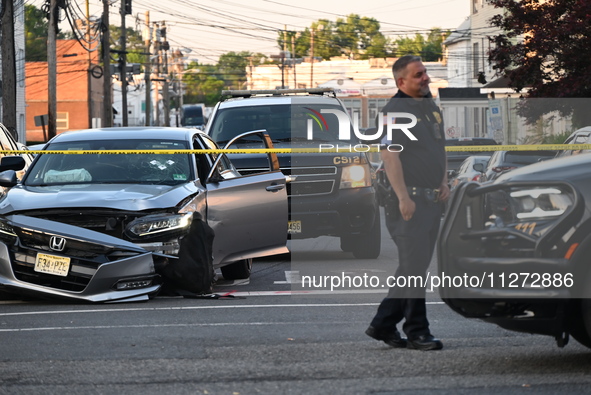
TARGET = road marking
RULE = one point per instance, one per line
(291, 277)
(198, 325)
(254, 306)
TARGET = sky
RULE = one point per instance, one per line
(209, 28)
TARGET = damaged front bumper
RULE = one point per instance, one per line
(51, 259)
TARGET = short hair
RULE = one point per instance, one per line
(399, 67)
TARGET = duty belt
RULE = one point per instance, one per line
(431, 195)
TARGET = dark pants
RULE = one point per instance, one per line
(415, 240)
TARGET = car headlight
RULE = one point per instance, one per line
(540, 202)
(7, 234)
(355, 176)
(159, 225)
(531, 205)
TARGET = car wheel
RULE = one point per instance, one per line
(367, 245)
(237, 270)
(347, 242)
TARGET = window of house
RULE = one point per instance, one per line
(475, 57)
(62, 121)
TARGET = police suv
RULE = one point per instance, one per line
(331, 180)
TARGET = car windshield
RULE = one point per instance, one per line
(104, 168)
(283, 122)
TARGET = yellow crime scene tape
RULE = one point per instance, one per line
(340, 149)
(524, 147)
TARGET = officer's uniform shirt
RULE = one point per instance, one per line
(423, 160)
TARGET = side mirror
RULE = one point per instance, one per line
(12, 163)
(479, 167)
(8, 179)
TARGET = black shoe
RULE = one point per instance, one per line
(425, 343)
(393, 339)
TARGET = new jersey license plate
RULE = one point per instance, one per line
(294, 227)
(52, 264)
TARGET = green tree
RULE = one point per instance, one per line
(433, 49)
(429, 48)
(354, 36)
(360, 37)
(201, 84)
(134, 43)
(205, 82)
(36, 26)
(410, 46)
(543, 46)
(232, 67)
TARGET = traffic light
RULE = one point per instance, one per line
(127, 7)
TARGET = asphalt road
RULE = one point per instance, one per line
(274, 336)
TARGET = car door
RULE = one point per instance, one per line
(247, 213)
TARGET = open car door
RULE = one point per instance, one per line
(248, 213)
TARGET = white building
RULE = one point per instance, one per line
(364, 86)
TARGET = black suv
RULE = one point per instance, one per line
(515, 252)
(330, 193)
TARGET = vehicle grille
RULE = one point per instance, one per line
(310, 180)
(85, 259)
(310, 187)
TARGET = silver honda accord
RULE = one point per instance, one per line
(122, 214)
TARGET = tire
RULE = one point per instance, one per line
(238, 270)
(369, 244)
(347, 242)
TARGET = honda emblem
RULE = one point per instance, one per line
(57, 243)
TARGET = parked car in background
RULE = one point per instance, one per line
(518, 250)
(192, 116)
(455, 158)
(104, 227)
(471, 169)
(503, 161)
(580, 136)
(330, 193)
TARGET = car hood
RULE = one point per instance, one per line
(571, 168)
(130, 197)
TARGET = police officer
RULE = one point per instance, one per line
(418, 177)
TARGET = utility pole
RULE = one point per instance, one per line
(312, 58)
(125, 4)
(8, 68)
(283, 58)
(165, 94)
(88, 72)
(147, 70)
(107, 101)
(293, 61)
(52, 70)
(156, 41)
